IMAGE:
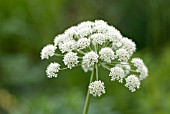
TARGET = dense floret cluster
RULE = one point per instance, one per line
(97, 44)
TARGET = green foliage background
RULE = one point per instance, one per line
(27, 25)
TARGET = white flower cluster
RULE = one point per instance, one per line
(83, 43)
(71, 59)
(97, 88)
(132, 82)
(89, 59)
(122, 55)
(98, 38)
(97, 44)
(107, 54)
(117, 73)
(52, 70)
(141, 68)
(48, 51)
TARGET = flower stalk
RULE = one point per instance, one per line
(87, 102)
(97, 73)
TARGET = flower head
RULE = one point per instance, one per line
(107, 54)
(98, 38)
(113, 34)
(117, 73)
(71, 59)
(90, 58)
(129, 45)
(132, 82)
(48, 51)
(116, 44)
(141, 68)
(71, 32)
(52, 70)
(100, 26)
(60, 39)
(85, 28)
(67, 46)
(122, 55)
(86, 24)
(97, 88)
(83, 43)
(97, 44)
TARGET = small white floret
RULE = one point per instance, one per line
(90, 58)
(67, 46)
(113, 34)
(52, 70)
(83, 43)
(98, 38)
(122, 55)
(71, 59)
(97, 88)
(48, 51)
(100, 26)
(60, 39)
(72, 32)
(86, 24)
(132, 82)
(107, 54)
(129, 45)
(117, 73)
(141, 68)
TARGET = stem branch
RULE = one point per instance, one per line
(56, 54)
(97, 75)
(104, 66)
(81, 52)
(86, 106)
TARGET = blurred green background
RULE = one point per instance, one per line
(27, 25)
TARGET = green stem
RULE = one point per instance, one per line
(86, 106)
(56, 54)
(114, 63)
(64, 68)
(95, 48)
(80, 57)
(90, 48)
(104, 66)
(134, 71)
(104, 45)
(97, 75)
(81, 52)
